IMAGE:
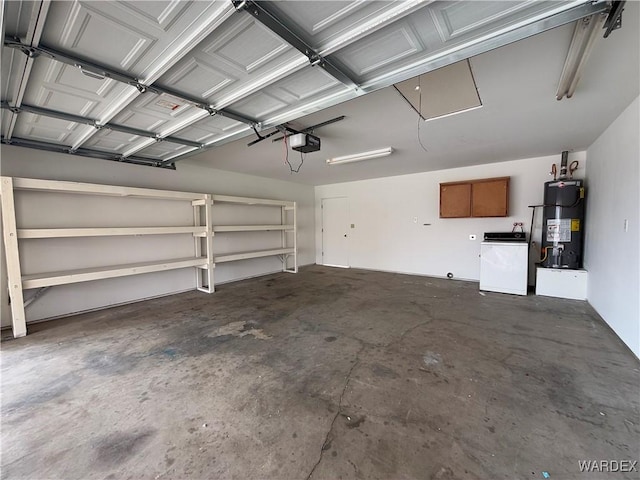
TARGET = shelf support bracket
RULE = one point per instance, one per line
(38, 294)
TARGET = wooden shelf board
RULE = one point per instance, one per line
(98, 189)
(251, 201)
(103, 232)
(250, 228)
(98, 273)
(230, 257)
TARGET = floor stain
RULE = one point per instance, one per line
(443, 473)
(353, 421)
(383, 371)
(170, 352)
(110, 363)
(44, 393)
(240, 329)
(117, 448)
(431, 359)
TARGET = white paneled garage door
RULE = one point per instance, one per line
(152, 81)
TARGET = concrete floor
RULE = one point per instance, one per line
(328, 374)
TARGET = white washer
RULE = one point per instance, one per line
(503, 267)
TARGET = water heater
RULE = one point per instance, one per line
(563, 223)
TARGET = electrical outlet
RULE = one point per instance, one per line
(472, 237)
(415, 219)
(626, 225)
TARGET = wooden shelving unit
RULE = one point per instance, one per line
(287, 226)
(202, 230)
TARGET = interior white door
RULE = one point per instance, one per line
(335, 232)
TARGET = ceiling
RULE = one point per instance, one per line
(175, 81)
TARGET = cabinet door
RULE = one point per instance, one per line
(490, 198)
(455, 200)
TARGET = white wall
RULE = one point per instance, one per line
(612, 254)
(42, 210)
(386, 238)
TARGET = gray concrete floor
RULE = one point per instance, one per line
(330, 374)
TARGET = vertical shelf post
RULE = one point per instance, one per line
(197, 244)
(294, 240)
(14, 276)
(283, 221)
(204, 285)
(295, 237)
(208, 210)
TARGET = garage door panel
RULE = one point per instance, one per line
(158, 13)
(199, 78)
(260, 105)
(124, 35)
(250, 46)
(110, 141)
(13, 65)
(210, 128)
(431, 32)
(45, 129)
(305, 84)
(154, 112)
(17, 18)
(324, 22)
(91, 32)
(163, 150)
(6, 120)
(63, 101)
(237, 54)
(73, 80)
(396, 43)
(312, 86)
(454, 19)
(61, 87)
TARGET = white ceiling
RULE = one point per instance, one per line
(225, 60)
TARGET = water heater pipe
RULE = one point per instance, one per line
(563, 165)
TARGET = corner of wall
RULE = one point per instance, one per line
(612, 232)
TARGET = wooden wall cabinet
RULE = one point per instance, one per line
(488, 197)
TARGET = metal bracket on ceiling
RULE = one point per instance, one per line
(283, 129)
(28, 50)
(86, 66)
(85, 152)
(98, 126)
(614, 19)
(263, 14)
(101, 72)
(310, 129)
